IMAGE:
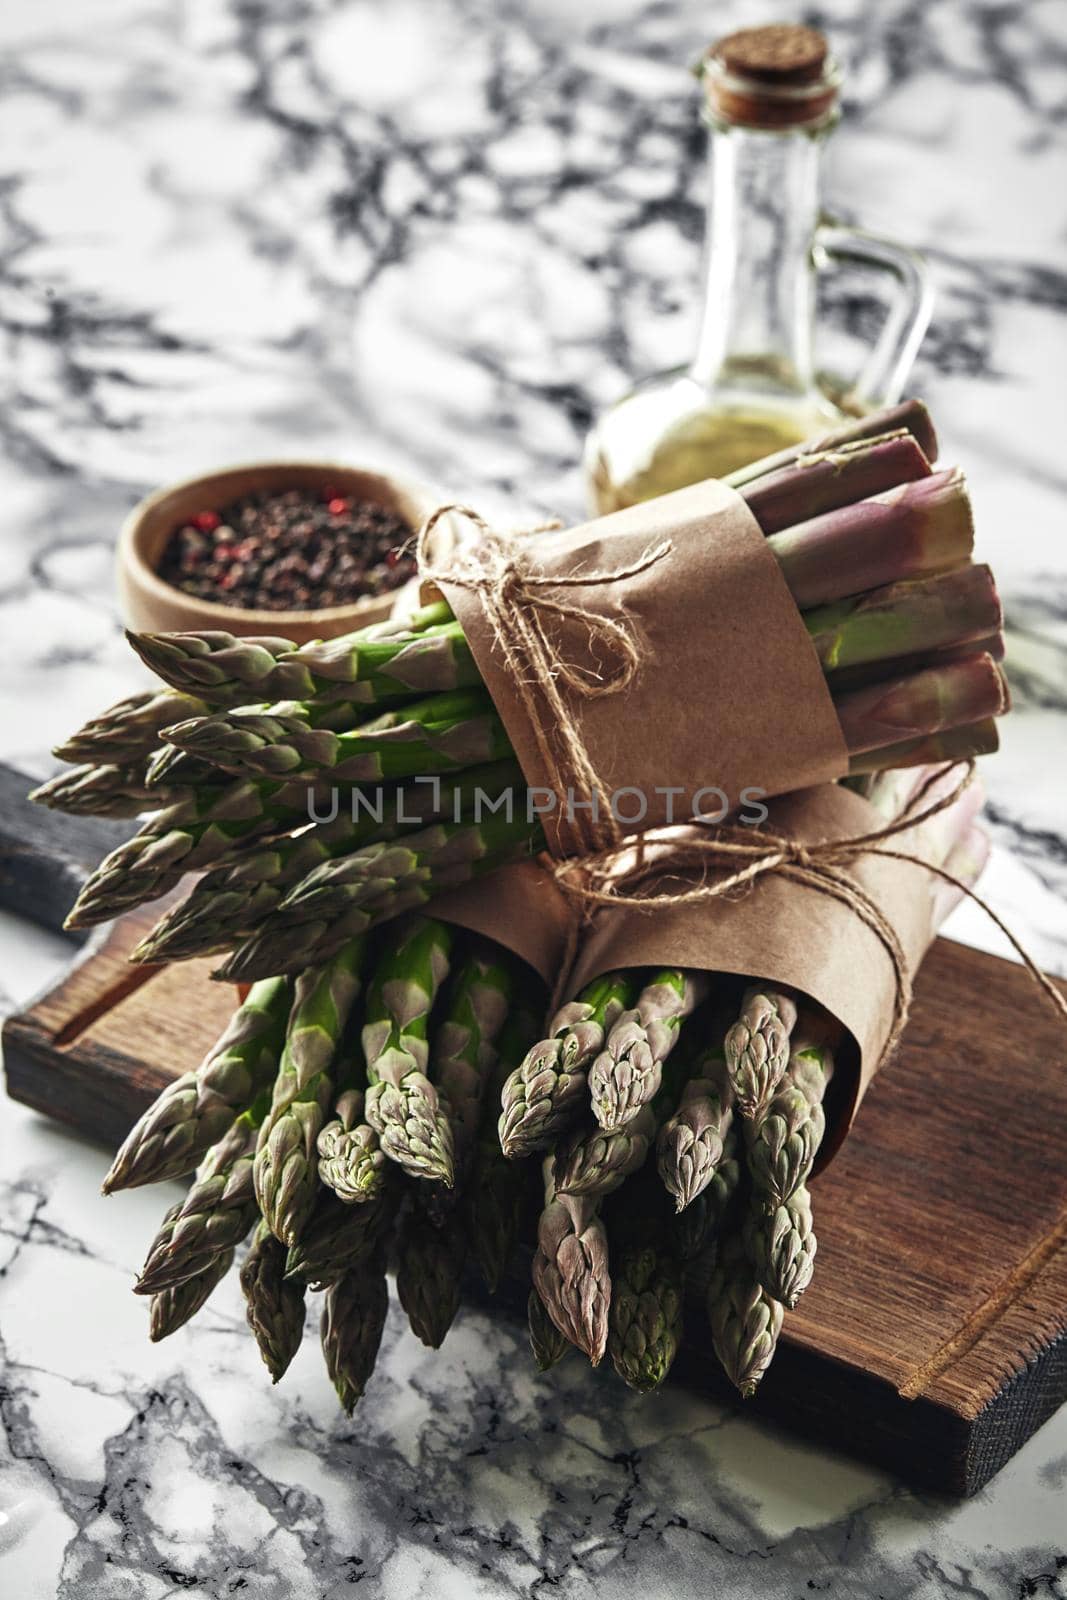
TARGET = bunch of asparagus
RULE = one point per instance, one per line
(679, 1116)
(874, 545)
(347, 1122)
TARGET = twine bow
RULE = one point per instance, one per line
(517, 608)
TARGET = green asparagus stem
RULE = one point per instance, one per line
(285, 1167)
(225, 905)
(493, 1199)
(757, 1046)
(429, 1268)
(359, 891)
(171, 1309)
(627, 1073)
(745, 1319)
(402, 1105)
(274, 1304)
(547, 1092)
(96, 791)
(782, 1143)
(570, 1267)
(921, 703)
(781, 1245)
(442, 732)
(127, 733)
(353, 1318)
(692, 1144)
(217, 1213)
(427, 660)
(822, 481)
(546, 1341)
(194, 1111)
(338, 1237)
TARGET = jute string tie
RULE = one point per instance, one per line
(610, 870)
(518, 608)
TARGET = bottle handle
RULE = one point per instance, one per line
(883, 375)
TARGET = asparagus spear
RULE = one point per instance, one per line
(953, 744)
(351, 1160)
(782, 1143)
(100, 791)
(285, 1166)
(592, 1162)
(910, 415)
(627, 1073)
(126, 733)
(338, 1237)
(443, 731)
(546, 1341)
(545, 1094)
(429, 1268)
(907, 532)
(225, 905)
(645, 1325)
(696, 1228)
(494, 1195)
(353, 1319)
(570, 1267)
(422, 661)
(183, 1122)
(757, 1046)
(824, 480)
(196, 831)
(950, 609)
(357, 892)
(921, 703)
(463, 1051)
(218, 1211)
(402, 1104)
(171, 1309)
(692, 1144)
(745, 1319)
(224, 670)
(274, 1304)
(781, 1245)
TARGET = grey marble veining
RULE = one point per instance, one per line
(438, 234)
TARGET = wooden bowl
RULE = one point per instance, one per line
(151, 605)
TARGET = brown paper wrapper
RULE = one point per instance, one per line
(785, 932)
(520, 907)
(729, 694)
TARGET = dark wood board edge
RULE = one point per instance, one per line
(45, 856)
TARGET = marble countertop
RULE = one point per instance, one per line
(437, 235)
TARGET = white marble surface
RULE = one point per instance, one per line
(436, 233)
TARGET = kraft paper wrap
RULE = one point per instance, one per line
(729, 692)
(786, 932)
(521, 908)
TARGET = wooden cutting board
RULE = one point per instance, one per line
(933, 1339)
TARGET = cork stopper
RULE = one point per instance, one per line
(782, 76)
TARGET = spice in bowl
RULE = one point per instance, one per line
(296, 549)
